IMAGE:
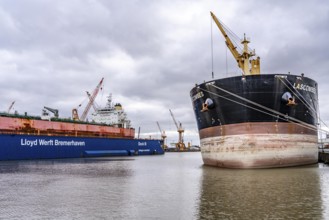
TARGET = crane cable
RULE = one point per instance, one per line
(264, 107)
(298, 95)
(212, 50)
(264, 112)
(234, 38)
(301, 97)
(275, 115)
(305, 103)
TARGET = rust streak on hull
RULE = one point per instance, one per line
(247, 146)
(255, 128)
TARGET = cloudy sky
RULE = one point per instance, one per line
(151, 53)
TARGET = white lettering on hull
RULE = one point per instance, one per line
(55, 142)
(197, 96)
(304, 87)
(30, 143)
(142, 144)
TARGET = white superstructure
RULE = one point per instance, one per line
(113, 115)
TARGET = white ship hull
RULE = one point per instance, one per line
(260, 150)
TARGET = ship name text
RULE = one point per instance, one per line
(197, 96)
(55, 142)
(304, 87)
(142, 143)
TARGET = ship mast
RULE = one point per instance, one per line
(247, 65)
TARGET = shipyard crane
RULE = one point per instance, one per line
(75, 115)
(10, 107)
(94, 104)
(54, 111)
(180, 145)
(163, 136)
(91, 100)
(243, 58)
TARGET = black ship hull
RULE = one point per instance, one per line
(257, 121)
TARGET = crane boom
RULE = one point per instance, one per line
(159, 127)
(54, 111)
(172, 115)
(11, 106)
(163, 133)
(228, 41)
(163, 136)
(91, 100)
(243, 59)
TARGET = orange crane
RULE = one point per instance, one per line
(75, 115)
(180, 145)
(243, 59)
(91, 101)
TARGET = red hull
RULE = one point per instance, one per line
(52, 128)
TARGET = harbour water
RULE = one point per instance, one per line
(170, 186)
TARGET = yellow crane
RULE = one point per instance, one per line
(163, 137)
(246, 64)
(180, 145)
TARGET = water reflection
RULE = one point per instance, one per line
(324, 180)
(80, 166)
(288, 193)
(64, 189)
(171, 186)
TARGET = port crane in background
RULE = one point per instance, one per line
(247, 65)
(10, 107)
(45, 113)
(163, 136)
(52, 110)
(75, 115)
(94, 104)
(180, 145)
(92, 98)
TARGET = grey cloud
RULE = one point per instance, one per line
(51, 52)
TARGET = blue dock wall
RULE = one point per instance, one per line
(20, 147)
